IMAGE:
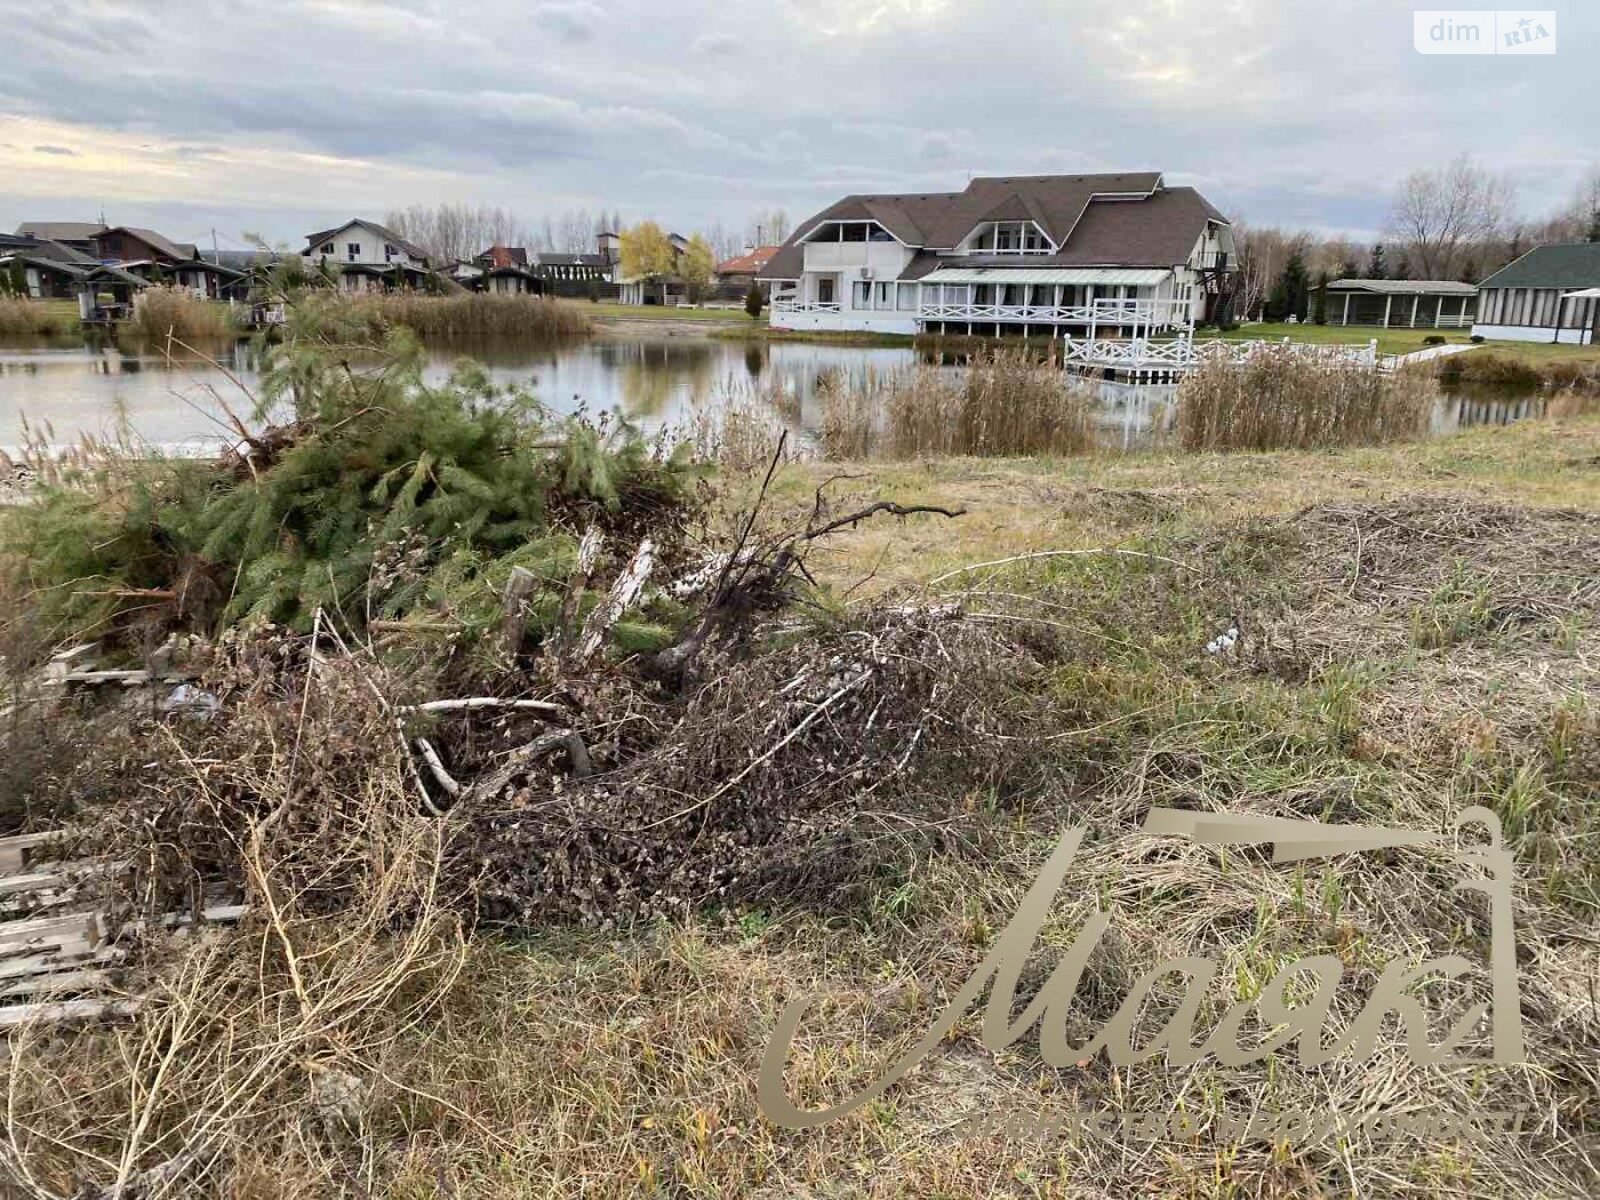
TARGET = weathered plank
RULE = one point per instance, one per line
(15, 1015)
(17, 851)
(59, 931)
(56, 983)
(27, 966)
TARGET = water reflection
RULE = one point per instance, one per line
(654, 381)
(1463, 408)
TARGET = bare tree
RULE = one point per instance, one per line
(725, 243)
(448, 232)
(1443, 218)
(1579, 219)
(1260, 254)
(770, 227)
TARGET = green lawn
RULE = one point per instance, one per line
(1404, 341)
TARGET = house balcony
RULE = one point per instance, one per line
(805, 306)
(1151, 314)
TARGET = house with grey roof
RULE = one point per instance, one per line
(48, 270)
(1402, 303)
(367, 256)
(78, 235)
(1550, 294)
(1054, 254)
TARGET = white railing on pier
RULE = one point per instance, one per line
(1185, 354)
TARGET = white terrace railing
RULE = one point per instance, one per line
(805, 306)
(1149, 313)
(1185, 354)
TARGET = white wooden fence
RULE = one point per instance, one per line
(1149, 358)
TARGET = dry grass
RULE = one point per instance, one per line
(1401, 659)
(739, 427)
(36, 318)
(1281, 401)
(466, 317)
(163, 312)
(1005, 403)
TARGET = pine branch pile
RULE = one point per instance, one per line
(385, 497)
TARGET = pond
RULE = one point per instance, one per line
(655, 382)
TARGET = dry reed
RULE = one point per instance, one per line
(1005, 403)
(1279, 400)
(740, 426)
(21, 317)
(160, 312)
(465, 317)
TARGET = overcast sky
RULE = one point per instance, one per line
(189, 116)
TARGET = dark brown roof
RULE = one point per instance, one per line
(1150, 225)
(504, 256)
(179, 251)
(1156, 232)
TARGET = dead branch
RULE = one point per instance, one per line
(888, 506)
(624, 594)
(479, 703)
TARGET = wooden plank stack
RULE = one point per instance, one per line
(59, 950)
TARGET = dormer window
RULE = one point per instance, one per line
(327, 248)
(850, 231)
(1008, 237)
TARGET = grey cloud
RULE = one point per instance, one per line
(1282, 110)
(61, 150)
(570, 20)
(715, 45)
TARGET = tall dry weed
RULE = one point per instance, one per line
(162, 312)
(1278, 400)
(1005, 403)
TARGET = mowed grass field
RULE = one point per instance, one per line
(1405, 341)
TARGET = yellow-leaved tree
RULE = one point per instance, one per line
(697, 268)
(648, 253)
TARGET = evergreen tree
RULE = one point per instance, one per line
(1291, 293)
(1403, 271)
(1594, 226)
(1349, 270)
(1378, 267)
(1469, 273)
(1319, 309)
(753, 301)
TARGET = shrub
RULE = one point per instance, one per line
(1281, 400)
(1433, 339)
(754, 301)
(1489, 370)
(1478, 339)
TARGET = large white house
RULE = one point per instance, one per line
(367, 256)
(1079, 254)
